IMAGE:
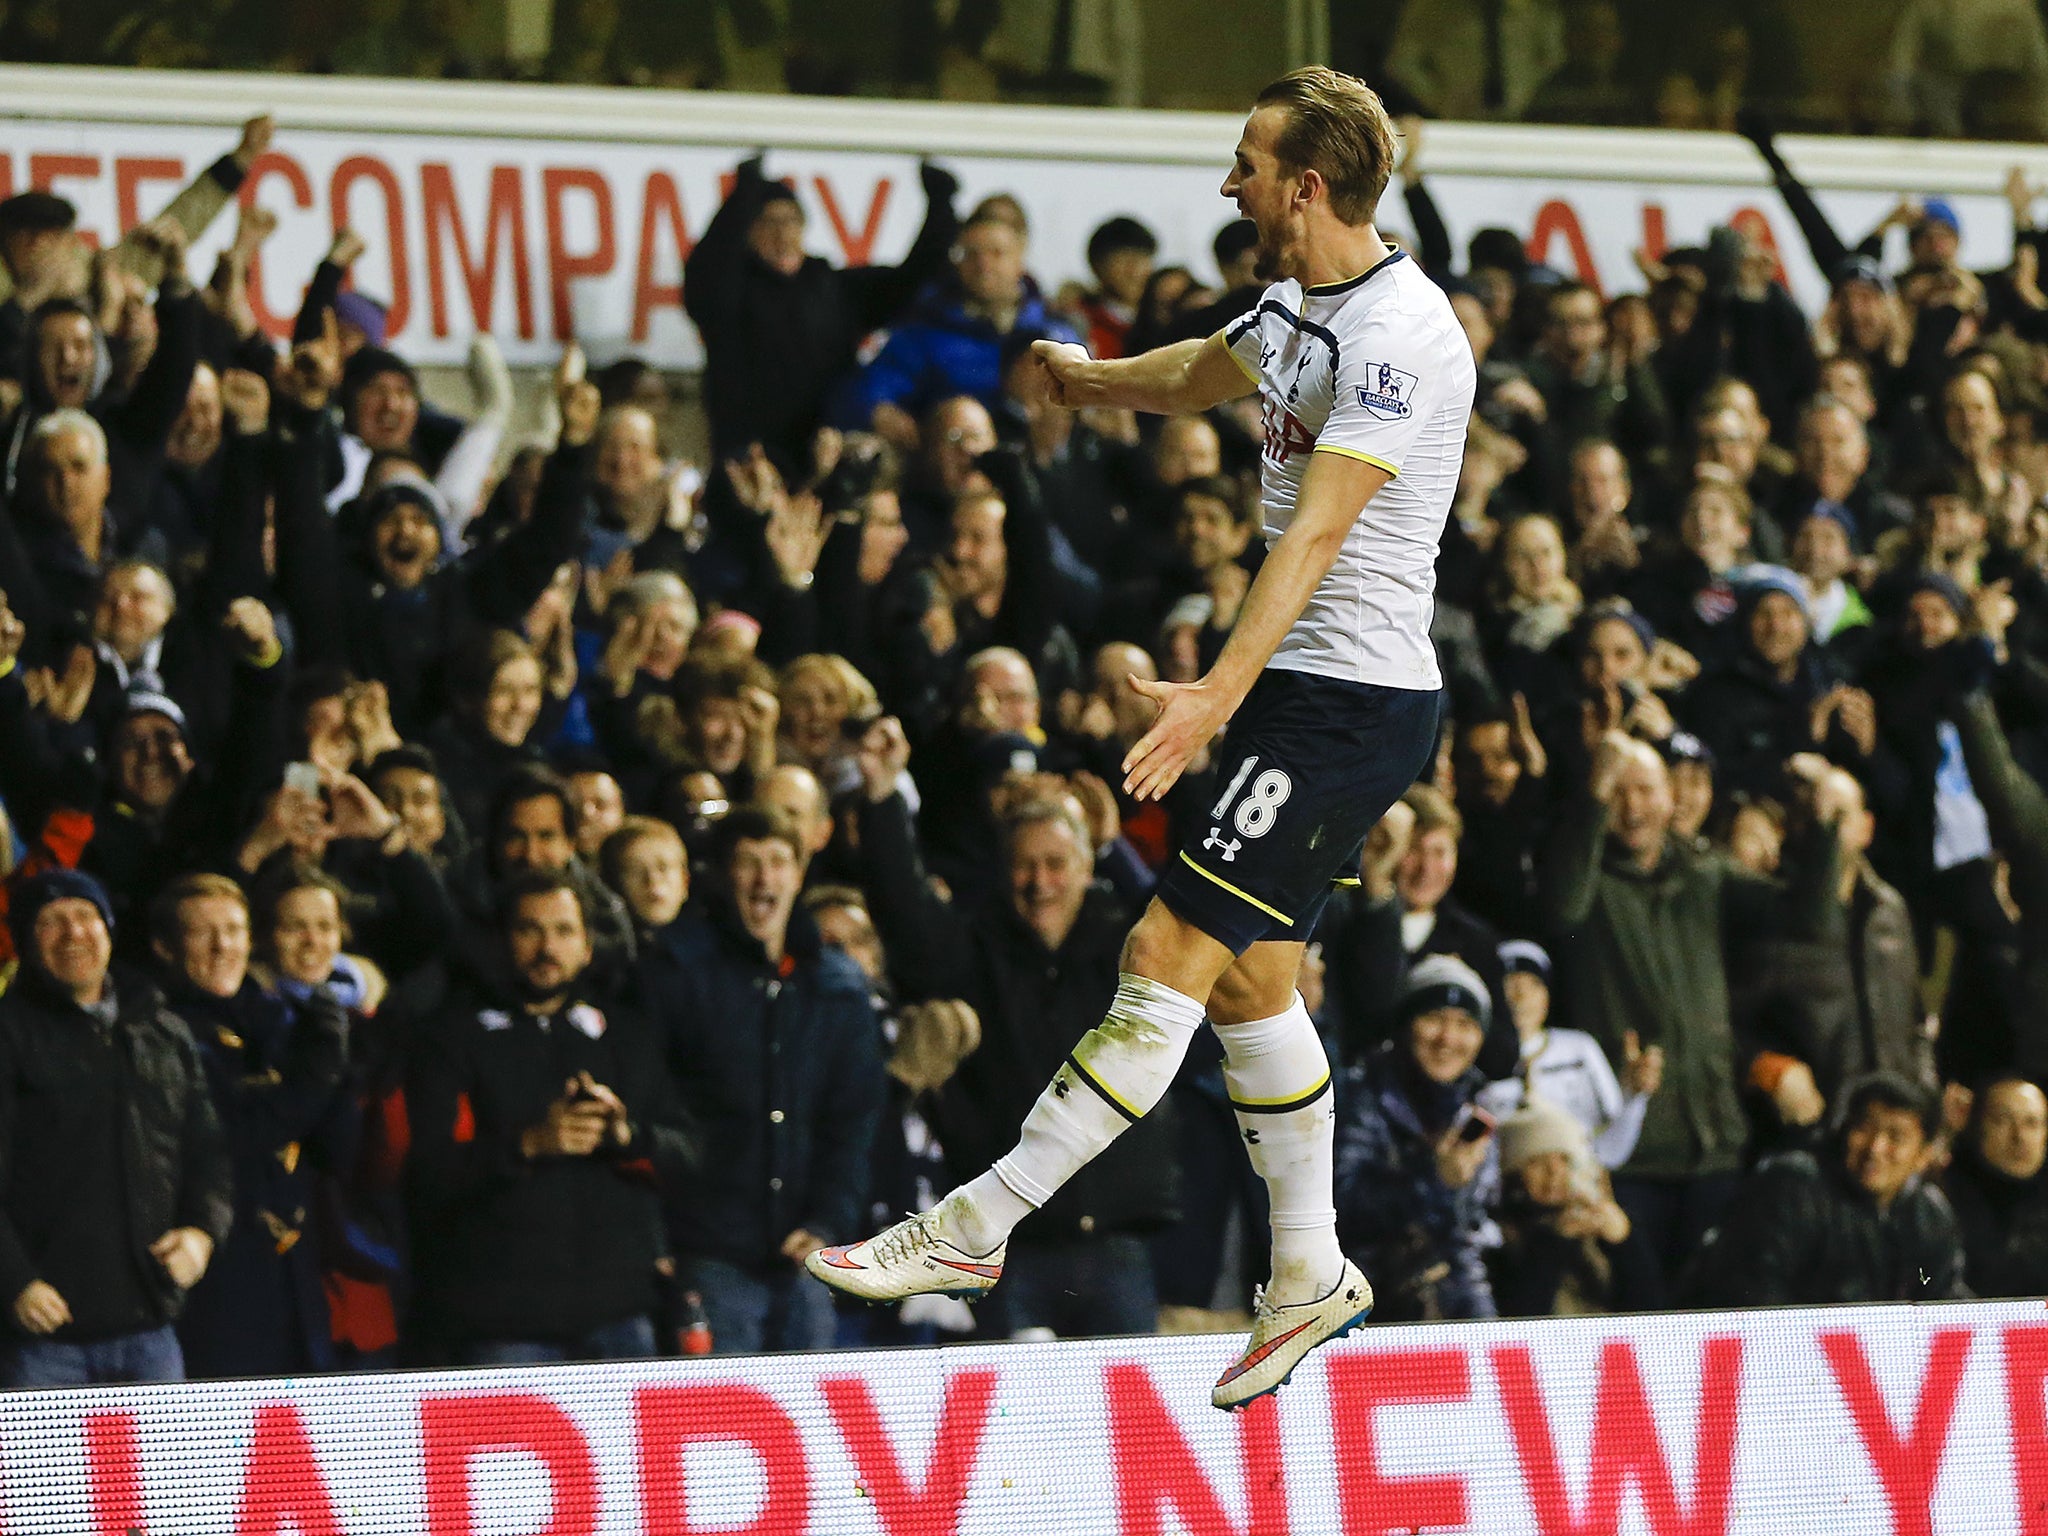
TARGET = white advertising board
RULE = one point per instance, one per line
(537, 213)
(1853, 1422)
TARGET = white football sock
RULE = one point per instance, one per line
(1279, 1082)
(1116, 1073)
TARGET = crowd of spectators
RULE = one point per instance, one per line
(1951, 68)
(474, 900)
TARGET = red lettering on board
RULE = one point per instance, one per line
(271, 163)
(1655, 241)
(2026, 1371)
(1156, 1468)
(504, 226)
(565, 265)
(1626, 1446)
(1907, 1468)
(1369, 1502)
(661, 207)
(1555, 218)
(114, 1466)
(46, 169)
(456, 1430)
(861, 247)
(670, 1418)
(932, 1509)
(368, 168)
(283, 1493)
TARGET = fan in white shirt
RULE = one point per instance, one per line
(1567, 1068)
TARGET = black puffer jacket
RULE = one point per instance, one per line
(1800, 1234)
(108, 1140)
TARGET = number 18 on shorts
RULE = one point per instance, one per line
(1310, 764)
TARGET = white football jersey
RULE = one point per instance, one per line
(1377, 369)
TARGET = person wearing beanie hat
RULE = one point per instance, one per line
(37, 892)
(1566, 1070)
(1824, 545)
(1756, 708)
(115, 1189)
(1541, 1129)
(391, 603)
(1444, 983)
(1415, 1168)
(1560, 1229)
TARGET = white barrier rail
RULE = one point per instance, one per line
(1846, 1422)
(536, 212)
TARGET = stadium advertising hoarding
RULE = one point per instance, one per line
(1859, 1422)
(525, 224)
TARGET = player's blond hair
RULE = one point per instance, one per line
(1338, 128)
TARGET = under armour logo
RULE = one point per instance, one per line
(1251, 1138)
(1229, 845)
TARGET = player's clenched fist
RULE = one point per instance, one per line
(1062, 371)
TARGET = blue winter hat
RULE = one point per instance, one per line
(1616, 608)
(1950, 593)
(1754, 582)
(1938, 210)
(38, 891)
(1841, 517)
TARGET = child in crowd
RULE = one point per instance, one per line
(1559, 1223)
(1567, 1068)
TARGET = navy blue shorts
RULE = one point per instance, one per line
(1308, 767)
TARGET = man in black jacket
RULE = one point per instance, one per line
(543, 1131)
(774, 1046)
(1853, 1223)
(114, 1174)
(780, 326)
(1038, 968)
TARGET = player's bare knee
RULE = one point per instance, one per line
(1169, 949)
(1251, 990)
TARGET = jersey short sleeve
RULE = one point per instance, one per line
(1386, 388)
(1246, 349)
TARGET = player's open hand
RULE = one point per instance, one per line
(1061, 371)
(1189, 714)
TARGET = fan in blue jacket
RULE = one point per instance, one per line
(951, 341)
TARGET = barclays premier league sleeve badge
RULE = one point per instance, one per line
(1387, 391)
